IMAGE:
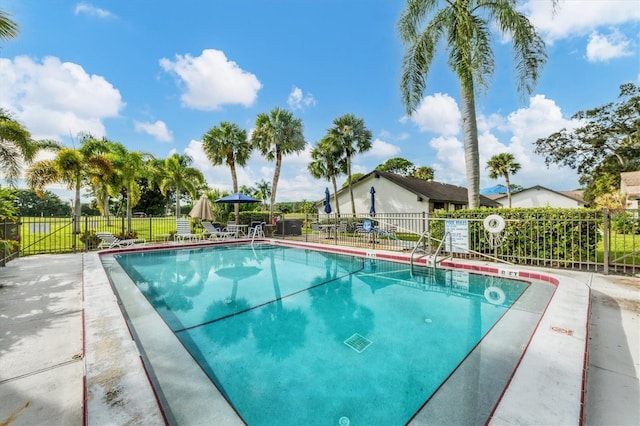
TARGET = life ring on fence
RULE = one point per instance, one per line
(494, 223)
(495, 295)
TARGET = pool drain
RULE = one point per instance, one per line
(344, 421)
(358, 343)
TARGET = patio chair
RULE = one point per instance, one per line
(256, 229)
(316, 229)
(108, 240)
(214, 230)
(184, 231)
(366, 229)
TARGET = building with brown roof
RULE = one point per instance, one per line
(630, 186)
(399, 194)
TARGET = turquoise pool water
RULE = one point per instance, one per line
(296, 336)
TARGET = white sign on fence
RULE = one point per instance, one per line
(459, 230)
(39, 228)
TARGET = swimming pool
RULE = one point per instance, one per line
(299, 336)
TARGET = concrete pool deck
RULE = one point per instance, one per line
(59, 325)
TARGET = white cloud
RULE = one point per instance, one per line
(449, 166)
(602, 47)
(54, 99)
(158, 130)
(438, 114)
(299, 101)
(89, 9)
(211, 80)
(381, 149)
(578, 17)
(523, 127)
(539, 120)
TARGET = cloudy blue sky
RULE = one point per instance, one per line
(156, 75)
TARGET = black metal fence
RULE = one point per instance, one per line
(589, 240)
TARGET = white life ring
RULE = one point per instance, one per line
(494, 223)
(495, 295)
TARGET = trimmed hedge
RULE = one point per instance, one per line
(552, 235)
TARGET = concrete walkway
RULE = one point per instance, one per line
(42, 346)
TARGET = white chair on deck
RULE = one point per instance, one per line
(184, 231)
(108, 240)
(214, 230)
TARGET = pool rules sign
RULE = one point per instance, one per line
(459, 231)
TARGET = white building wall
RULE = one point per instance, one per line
(389, 198)
(539, 197)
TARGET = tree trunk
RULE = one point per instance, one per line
(471, 155)
(178, 191)
(105, 208)
(353, 204)
(335, 194)
(506, 178)
(128, 213)
(77, 209)
(274, 185)
(234, 182)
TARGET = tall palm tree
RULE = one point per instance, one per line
(71, 166)
(228, 144)
(327, 162)
(128, 166)
(100, 183)
(464, 27)
(503, 164)
(8, 27)
(178, 176)
(351, 135)
(277, 134)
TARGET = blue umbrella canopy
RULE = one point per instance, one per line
(327, 198)
(372, 210)
(237, 198)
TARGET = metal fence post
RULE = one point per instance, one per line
(74, 235)
(86, 233)
(606, 234)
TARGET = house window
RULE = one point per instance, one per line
(458, 206)
(438, 205)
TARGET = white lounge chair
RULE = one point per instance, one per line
(214, 230)
(184, 231)
(108, 240)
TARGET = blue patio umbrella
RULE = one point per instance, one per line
(372, 210)
(327, 198)
(237, 198)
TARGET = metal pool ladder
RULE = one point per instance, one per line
(434, 257)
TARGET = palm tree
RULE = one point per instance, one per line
(228, 144)
(277, 134)
(178, 176)
(8, 27)
(263, 191)
(75, 167)
(328, 163)
(351, 135)
(464, 27)
(502, 165)
(128, 166)
(100, 183)
(423, 172)
(16, 146)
